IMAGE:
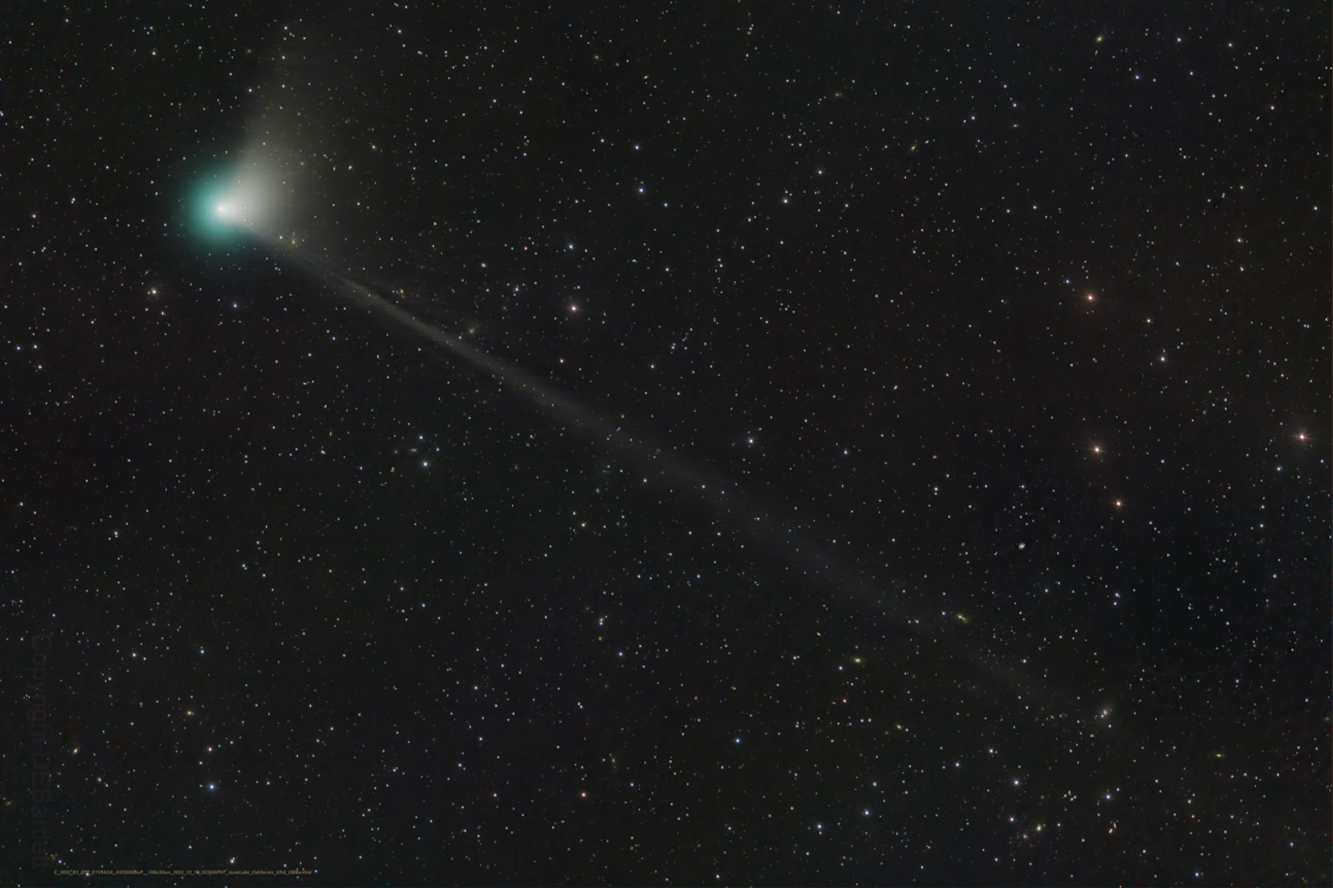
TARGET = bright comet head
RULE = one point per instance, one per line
(250, 198)
(245, 203)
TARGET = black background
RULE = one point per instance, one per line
(1011, 322)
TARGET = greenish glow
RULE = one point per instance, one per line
(209, 210)
(240, 201)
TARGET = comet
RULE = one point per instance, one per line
(254, 202)
(254, 197)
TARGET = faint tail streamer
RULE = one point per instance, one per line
(712, 488)
(761, 525)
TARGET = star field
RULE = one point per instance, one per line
(884, 445)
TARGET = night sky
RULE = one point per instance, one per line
(673, 444)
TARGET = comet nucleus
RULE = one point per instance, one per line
(252, 197)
